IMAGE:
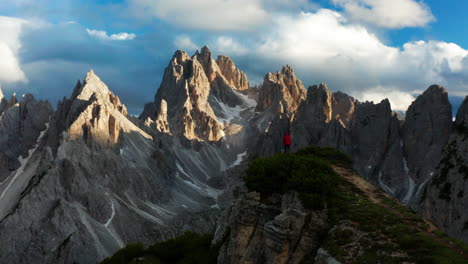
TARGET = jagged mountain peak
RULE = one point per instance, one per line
(386, 103)
(435, 89)
(462, 114)
(322, 87)
(426, 130)
(281, 90)
(180, 56)
(210, 67)
(90, 75)
(27, 97)
(13, 100)
(233, 75)
(343, 107)
(287, 69)
(92, 85)
(205, 52)
(94, 113)
(93, 88)
(434, 99)
(1, 94)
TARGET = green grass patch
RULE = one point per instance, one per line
(190, 248)
(309, 175)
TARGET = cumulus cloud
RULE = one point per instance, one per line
(388, 14)
(10, 68)
(184, 42)
(103, 35)
(228, 45)
(325, 47)
(203, 14)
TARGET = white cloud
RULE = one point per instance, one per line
(321, 36)
(10, 68)
(228, 45)
(399, 100)
(325, 47)
(103, 35)
(288, 4)
(204, 14)
(388, 13)
(184, 42)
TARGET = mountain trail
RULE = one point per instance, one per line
(375, 195)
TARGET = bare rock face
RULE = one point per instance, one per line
(222, 90)
(161, 120)
(425, 133)
(3, 102)
(312, 117)
(281, 91)
(462, 114)
(20, 126)
(13, 100)
(279, 231)
(233, 75)
(444, 199)
(96, 113)
(271, 140)
(184, 103)
(369, 128)
(343, 107)
(323, 119)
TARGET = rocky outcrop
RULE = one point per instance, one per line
(233, 75)
(3, 102)
(282, 92)
(277, 231)
(343, 107)
(370, 130)
(20, 125)
(161, 120)
(426, 131)
(462, 115)
(312, 118)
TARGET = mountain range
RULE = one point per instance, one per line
(81, 181)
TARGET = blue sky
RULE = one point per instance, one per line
(371, 49)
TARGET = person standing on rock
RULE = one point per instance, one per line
(286, 142)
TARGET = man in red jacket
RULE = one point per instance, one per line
(286, 142)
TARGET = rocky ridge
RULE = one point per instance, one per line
(21, 122)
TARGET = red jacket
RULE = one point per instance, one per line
(287, 139)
